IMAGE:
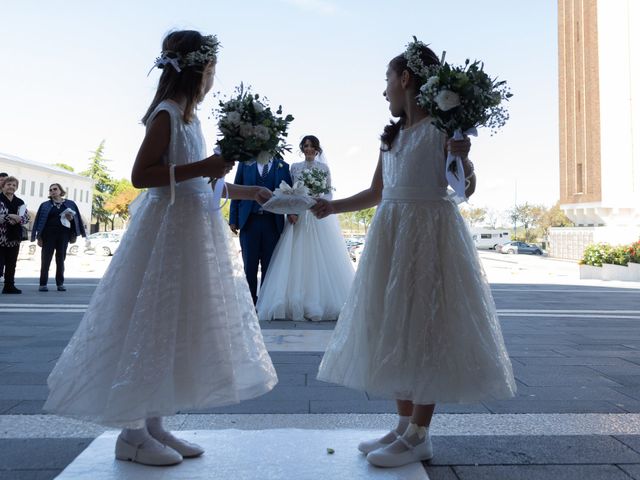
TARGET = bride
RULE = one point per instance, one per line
(310, 271)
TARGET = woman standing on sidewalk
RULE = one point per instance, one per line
(57, 224)
(13, 214)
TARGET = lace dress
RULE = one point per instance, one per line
(171, 325)
(310, 272)
(420, 323)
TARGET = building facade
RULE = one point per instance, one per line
(599, 108)
(35, 179)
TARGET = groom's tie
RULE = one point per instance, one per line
(265, 172)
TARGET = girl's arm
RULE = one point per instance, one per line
(365, 199)
(149, 169)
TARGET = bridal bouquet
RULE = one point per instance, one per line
(316, 181)
(250, 129)
(460, 98)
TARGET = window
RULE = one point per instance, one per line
(579, 179)
(23, 188)
(485, 235)
(75, 193)
(33, 188)
(41, 189)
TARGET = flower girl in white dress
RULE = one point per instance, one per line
(420, 324)
(171, 326)
(310, 273)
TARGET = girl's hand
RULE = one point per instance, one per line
(323, 208)
(216, 166)
(459, 148)
(292, 219)
(262, 195)
(40, 242)
(13, 218)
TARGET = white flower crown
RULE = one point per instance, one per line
(415, 63)
(207, 52)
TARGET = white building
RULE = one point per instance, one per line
(35, 179)
(599, 95)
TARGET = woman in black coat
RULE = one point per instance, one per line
(57, 223)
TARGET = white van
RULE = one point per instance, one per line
(489, 239)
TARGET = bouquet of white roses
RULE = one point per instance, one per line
(459, 99)
(316, 181)
(250, 130)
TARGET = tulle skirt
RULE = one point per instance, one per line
(170, 327)
(310, 272)
(420, 323)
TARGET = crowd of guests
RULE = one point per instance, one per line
(57, 223)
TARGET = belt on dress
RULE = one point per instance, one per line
(413, 194)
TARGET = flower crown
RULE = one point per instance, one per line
(415, 63)
(207, 52)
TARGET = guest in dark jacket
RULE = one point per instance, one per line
(13, 214)
(57, 223)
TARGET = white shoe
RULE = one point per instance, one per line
(184, 448)
(149, 452)
(390, 456)
(371, 445)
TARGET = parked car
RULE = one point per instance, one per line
(519, 247)
(32, 248)
(103, 243)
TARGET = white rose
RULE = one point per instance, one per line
(258, 107)
(263, 158)
(262, 132)
(431, 82)
(446, 100)
(246, 130)
(234, 118)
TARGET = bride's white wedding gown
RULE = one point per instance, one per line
(310, 272)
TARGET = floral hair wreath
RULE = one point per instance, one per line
(415, 63)
(207, 52)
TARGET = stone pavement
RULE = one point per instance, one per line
(575, 348)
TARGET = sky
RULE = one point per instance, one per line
(74, 73)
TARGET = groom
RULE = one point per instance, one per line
(259, 229)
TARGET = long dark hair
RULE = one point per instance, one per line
(315, 143)
(187, 82)
(399, 64)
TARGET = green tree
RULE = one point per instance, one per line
(64, 166)
(118, 202)
(365, 216)
(554, 217)
(529, 216)
(103, 187)
(474, 215)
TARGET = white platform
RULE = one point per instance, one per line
(281, 454)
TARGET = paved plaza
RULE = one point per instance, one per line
(574, 345)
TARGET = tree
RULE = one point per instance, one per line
(64, 166)
(118, 202)
(473, 215)
(365, 216)
(103, 187)
(528, 215)
(554, 217)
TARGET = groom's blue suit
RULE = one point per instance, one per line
(259, 230)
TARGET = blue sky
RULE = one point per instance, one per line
(75, 72)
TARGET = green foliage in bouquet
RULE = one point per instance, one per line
(250, 129)
(459, 97)
(316, 181)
